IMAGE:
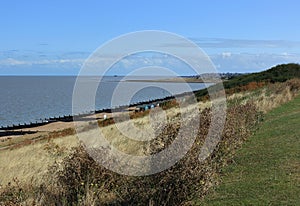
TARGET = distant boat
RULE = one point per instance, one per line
(115, 75)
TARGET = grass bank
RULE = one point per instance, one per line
(266, 170)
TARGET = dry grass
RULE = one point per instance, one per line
(79, 180)
(30, 163)
(268, 97)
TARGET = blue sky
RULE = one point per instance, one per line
(55, 37)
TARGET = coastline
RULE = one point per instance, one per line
(176, 80)
(50, 102)
(39, 130)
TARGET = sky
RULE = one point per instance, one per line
(56, 37)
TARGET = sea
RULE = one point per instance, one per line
(25, 99)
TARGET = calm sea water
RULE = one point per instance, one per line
(25, 99)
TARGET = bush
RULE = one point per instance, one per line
(79, 180)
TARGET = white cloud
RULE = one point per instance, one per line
(226, 54)
(244, 43)
(244, 62)
(13, 62)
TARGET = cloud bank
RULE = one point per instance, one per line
(228, 55)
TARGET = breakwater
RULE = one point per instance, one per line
(10, 129)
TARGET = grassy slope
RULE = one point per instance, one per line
(33, 160)
(266, 171)
(279, 73)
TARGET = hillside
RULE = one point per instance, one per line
(266, 170)
(279, 73)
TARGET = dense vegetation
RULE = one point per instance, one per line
(279, 73)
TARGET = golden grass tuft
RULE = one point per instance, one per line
(30, 163)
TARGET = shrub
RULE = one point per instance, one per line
(79, 180)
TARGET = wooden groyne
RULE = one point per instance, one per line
(10, 129)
